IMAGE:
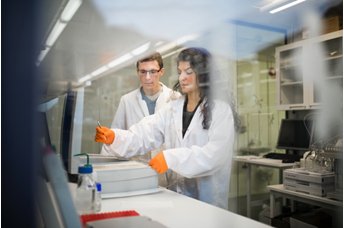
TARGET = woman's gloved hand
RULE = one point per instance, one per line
(159, 163)
(104, 135)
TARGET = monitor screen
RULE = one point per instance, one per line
(294, 134)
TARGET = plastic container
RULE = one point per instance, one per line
(85, 196)
(98, 200)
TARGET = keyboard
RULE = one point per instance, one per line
(286, 158)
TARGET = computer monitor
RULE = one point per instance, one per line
(294, 134)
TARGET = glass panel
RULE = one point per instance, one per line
(290, 65)
(89, 55)
(333, 64)
(256, 88)
(291, 94)
(54, 118)
(101, 101)
(334, 57)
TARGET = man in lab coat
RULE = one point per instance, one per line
(145, 100)
(149, 97)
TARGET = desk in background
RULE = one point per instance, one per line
(259, 161)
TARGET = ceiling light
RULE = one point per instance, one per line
(70, 9)
(141, 49)
(99, 71)
(270, 4)
(186, 38)
(120, 60)
(42, 54)
(124, 58)
(55, 33)
(85, 78)
(283, 7)
(68, 12)
(178, 42)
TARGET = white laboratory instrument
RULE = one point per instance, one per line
(125, 178)
(313, 183)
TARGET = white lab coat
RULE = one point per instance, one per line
(132, 108)
(202, 159)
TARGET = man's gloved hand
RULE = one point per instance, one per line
(104, 135)
(158, 163)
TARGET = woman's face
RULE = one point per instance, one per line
(187, 78)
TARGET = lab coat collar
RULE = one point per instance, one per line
(142, 103)
(163, 97)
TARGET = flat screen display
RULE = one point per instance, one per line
(294, 134)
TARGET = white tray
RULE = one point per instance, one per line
(132, 193)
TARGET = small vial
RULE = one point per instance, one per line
(98, 198)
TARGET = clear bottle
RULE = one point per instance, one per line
(86, 190)
(98, 200)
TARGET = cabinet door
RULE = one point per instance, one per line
(290, 82)
(310, 72)
(332, 74)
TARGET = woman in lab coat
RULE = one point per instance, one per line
(197, 133)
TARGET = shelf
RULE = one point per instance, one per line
(334, 77)
(333, 57)
(291, 83)
(288, 64)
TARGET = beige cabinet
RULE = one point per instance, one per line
(307, 69)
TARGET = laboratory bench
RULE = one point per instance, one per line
(175, 210)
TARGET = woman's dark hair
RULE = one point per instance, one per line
(200, 62)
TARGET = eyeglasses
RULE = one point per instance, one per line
(151, 72)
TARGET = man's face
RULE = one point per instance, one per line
(149, 74)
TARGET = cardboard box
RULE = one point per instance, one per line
(332, 24)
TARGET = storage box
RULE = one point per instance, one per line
(331, 24)
(125, 177)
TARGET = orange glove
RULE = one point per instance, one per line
(104, 135)
(159, 163)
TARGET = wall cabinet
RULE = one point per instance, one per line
(307, 69)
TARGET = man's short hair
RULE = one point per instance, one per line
(155, 56)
